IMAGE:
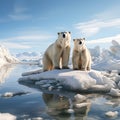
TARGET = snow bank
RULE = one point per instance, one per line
(86, 81)
(6, 57)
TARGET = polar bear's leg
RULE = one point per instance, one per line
(65, 58)
(75, 61)
(89, 65)
(47, 64)
(84, 62)
(56, 59)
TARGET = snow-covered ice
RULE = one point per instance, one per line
(88, 81)
(111, 113)
(12, 94)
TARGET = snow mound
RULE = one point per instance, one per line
(75, 80)
(6, 57)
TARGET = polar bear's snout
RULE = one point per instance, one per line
(80, 42)
(64, 35)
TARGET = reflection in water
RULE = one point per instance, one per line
(5, 72)
(60, 104)
(114, 102)
(58, 107)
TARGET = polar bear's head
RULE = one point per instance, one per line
(64, 39)
(79, 43)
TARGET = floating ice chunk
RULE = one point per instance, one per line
(79, 98)
(114, 92)
(37, 118)
(8, 94)
(91, 81)
(109, 103)
(70, 111)
(80, 105)
(50, 88)
(7, 116)
(111, 114)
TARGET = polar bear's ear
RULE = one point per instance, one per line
(83, 38)
(58, 33)
(69, 32)
(73, 39)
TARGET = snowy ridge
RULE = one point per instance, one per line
(6, 57)
(107, 59)
(29, 57)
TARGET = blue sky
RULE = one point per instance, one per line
(32, 25)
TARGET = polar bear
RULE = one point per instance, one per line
(81, 58)
(57, 54)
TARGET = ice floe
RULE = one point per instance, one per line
(111, 113)
(12, 94)
(82, 81)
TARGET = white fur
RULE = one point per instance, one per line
(81, 57)
(57, 54)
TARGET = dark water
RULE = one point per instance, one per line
(38, 104)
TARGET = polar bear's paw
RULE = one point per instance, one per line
(58, 68)
(65, 67)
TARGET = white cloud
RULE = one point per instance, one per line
(24, 42)
(29, 37)
(15, 45)
(105, 40)
(92, 27)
